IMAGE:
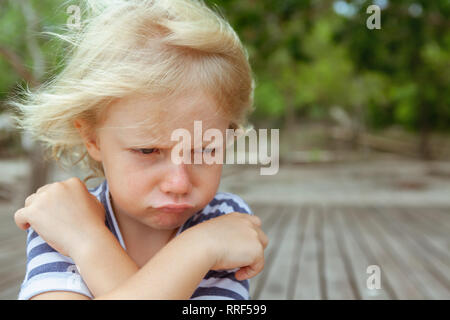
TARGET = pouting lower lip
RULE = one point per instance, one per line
(175, 207)
(173, 210)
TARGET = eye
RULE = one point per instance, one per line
(204, 150)
(209, 150)
(145, 151)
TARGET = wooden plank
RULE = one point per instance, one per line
(301, 218)
(435, 244)
(307, 285)
(318, 236)
(435, 221)
(397, 279)
(10, 293)
(12, 266)
(8, 227)
(262, 211)
(441, 216)
(277, 282)
(12, 284)
(436, 232)
(432, 271)
(358, 259)
(338, 285)
(445, 212)
(274, 233)
(14, 255)
(408, 257)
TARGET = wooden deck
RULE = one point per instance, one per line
(318, 252)
(323, 253)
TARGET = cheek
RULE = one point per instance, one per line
(207, 178)
(132, 189)
(139, 182)
(130, 177)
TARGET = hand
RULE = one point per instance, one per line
(235, 240)
(63, 213)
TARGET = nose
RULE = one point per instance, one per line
(176, 181)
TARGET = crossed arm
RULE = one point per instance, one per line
(111, 274)
(173, 273)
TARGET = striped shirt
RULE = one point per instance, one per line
(48, 270)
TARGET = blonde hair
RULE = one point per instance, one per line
(156, 47)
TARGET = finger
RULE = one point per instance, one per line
(21, 219)
(42, 188)
(74, 180)
(254, 219)
(250, 271)
(263, 237)
(29, 199)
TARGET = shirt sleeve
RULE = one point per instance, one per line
(48, 270)
(222, 284)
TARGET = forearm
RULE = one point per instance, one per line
(173, 273)
(103, 263)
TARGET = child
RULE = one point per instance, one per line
(154, 229)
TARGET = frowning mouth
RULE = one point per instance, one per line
(174, 207)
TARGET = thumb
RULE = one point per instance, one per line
(21, 219)
(250, 271)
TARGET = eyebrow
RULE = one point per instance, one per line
(151, 146)
(146, 145)
(158, 143)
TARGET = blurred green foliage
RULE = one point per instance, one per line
(308, 56)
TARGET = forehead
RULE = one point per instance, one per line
(141, 119)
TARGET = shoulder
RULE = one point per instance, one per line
(228, 202)
(48, 270)
(222, 203)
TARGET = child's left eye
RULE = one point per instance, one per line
(211, 150)
(205, 150)
(146, 150)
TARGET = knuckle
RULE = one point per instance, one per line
(74, 180)
(28, 199)
(235, 214)
(56, 187)
(43, 188)
(261, 250)
(18, 213)
(247, 221)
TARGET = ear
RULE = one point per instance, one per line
(90, 139)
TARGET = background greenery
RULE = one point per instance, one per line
(315, 61)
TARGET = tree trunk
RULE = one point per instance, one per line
(424, 140)
(424, 144)
(39, 167)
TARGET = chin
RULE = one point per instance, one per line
(168, 221)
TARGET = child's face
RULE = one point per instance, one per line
(137, 161)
